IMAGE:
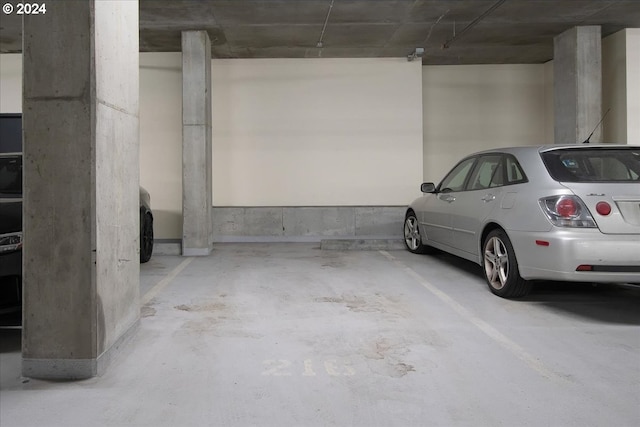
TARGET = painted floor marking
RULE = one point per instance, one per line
(158, 287)
(489, 330)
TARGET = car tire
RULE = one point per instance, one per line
(501, 267)
(412, 237)
(146, 237)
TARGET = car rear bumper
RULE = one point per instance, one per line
(11, 264)
(613, 258)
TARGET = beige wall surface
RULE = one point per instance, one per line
(549, 119)
(287, 133)
(614, 88)
(318, 132)
(621, 86)
(11, 83)
(633, 85)
(161, 139)
(336, 131)
(468, 108)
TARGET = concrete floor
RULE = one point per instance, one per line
(289, 335)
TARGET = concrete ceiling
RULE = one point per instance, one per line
(476, 31)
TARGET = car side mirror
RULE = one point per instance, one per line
(428, 187)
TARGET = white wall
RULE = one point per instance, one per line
(336, 131)
(549, 118)
(469, 108)
(11, 83)
(633, 85)
(614, 88)
(621, 86)
(287, 132)
(161, 139)
(296, 132)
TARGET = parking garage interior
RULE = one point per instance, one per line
(281, 142)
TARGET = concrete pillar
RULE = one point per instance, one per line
(197, 228)
(578, 85)
(81, 232)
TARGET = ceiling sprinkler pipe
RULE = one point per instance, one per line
(473, 23)
(324, 27)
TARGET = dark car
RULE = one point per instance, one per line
(11, 229)
(146, 226)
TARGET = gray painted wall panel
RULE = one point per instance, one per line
(379, 220)
(319, 221)
(311, 224)
(259, 221)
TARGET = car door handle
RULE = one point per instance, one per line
(488, 198)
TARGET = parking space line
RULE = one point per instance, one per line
(489, 330)
(158, 287)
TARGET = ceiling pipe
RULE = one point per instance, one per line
(472, 24)
(434, 25)
(324, 27)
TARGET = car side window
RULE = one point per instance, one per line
(487, 173)
(10, 175)
(515, 174)
(455, 180)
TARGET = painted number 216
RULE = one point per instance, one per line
(284, 368)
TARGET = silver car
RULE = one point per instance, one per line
(562, 212)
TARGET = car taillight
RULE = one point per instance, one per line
(567, 211)
(603, 208)
(567, 207)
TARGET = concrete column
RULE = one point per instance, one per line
(578, 85)
(197, 228)
(81, 223)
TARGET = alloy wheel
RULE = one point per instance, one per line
(496, 262)
(412, 233)
(147, 236)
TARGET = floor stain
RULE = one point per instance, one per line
(379, 350)
(147, 311)
(377, 303)
(329, 299)
(334, 264)
(386, 356)
(401, 369)
(212, 326)
(202, 325)
(214, 306)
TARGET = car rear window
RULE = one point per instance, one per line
(10, 175)
(593, 165)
